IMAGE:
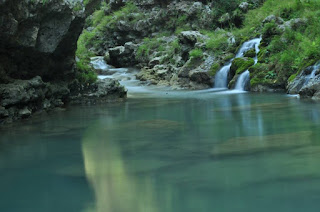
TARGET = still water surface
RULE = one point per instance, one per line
(166, 152)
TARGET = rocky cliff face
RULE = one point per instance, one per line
(38, 40)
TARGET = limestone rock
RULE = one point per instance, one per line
(244, 6)
(190, 37)
(307, 83)
(271, 18)
(40, 37)
(24, 113)
(104, 90)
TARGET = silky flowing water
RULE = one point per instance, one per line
(166, 152)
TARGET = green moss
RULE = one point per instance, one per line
(255, 81)
(292, 77)
(214, 69)
(250, 53)
(77, 7)
(262, 55)
(217, 42)
(239, 65)
(148, 46)
(196, 53)
(85, 73)
(258, 68)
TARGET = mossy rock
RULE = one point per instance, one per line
(191, 64)
(214, 69)
(262, 55)
(258, 68)
(232, 82)
(239, 65)
(256, 81)
(226, 57)
(251, 53)
(292, 77)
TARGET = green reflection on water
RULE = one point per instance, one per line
(196, 155)
(222, 153)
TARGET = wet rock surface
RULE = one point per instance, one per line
(307, 83)
(23, 97)
(38, 41)
(104, 90)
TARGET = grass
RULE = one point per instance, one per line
(283, 54)
(291, 51)
(196, 53)
(88, 39)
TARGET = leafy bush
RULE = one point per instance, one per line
(196, 53)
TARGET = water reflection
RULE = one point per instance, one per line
(114, 187)
(180, 154)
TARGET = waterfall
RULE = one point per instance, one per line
(313, 73)
(221, 78)
(243, 79)
(98, 63)
(125, 76)
(254, 43)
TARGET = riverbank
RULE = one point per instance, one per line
(200, 38)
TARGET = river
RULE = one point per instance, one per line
(166, 151)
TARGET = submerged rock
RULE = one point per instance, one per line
(104, 90)
(257, 144)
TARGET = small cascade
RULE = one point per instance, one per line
(221, 78)
(126, 76)
(242, 81)
(315, 68)
(244, 78)
(98, 63)
(254, 43)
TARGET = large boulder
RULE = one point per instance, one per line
(39, 38)
(239, 65)
(190, 37)
(38, 41)
(123, 56)
(23, 97)
(307, 83)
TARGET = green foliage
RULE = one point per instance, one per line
(250, 53)
(89, 39)
(288, 52)
(77, 7)
(270, 29)
(241, 64)
(196, 53)
(174, 49)
(270, 75)
(214, 69)
(149, 44)
(292, 77)
(85, 72)
(217, 42)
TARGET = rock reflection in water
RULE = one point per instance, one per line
(114, 187)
